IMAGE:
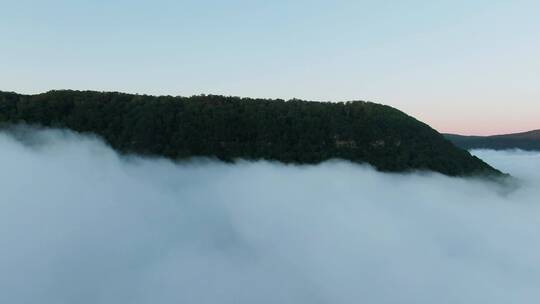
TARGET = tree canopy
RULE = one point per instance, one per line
(230, 128)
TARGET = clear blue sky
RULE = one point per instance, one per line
(461, 66)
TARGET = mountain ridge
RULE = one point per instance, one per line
(529, 141)
(228, 128)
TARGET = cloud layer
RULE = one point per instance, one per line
(80, 224)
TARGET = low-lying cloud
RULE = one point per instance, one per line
(80, 224)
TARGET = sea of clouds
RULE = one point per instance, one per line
(81, 224)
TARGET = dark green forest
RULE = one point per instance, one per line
(230, 128)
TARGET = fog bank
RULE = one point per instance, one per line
(80, 224)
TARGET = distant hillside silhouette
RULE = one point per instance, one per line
(525, 141)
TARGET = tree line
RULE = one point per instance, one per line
(229, 128)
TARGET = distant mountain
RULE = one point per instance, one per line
(525, 141)
(230, 128)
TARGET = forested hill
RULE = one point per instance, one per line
(229, 128)
(524, 141)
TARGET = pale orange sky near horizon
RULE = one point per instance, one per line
(466, 67)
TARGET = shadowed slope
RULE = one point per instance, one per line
(229, 128)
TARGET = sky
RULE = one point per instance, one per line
(93, 227)
(468, 67)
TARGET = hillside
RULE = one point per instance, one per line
(229, 128)
(524, 141)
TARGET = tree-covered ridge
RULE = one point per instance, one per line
(229, 128)
(525, 141)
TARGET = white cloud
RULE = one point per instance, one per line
(79, 224)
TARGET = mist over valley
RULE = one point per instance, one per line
(80, 223)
